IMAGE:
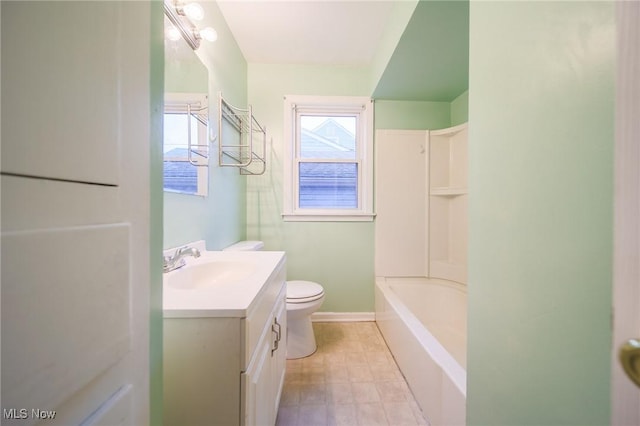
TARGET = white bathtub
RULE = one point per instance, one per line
(424, 322)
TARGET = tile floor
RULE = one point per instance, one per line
(352, 379)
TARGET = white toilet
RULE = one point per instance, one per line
(303, 299)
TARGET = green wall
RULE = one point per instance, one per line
(412, 115)
(338, 255)
(460, 109)
(218, 218)
(541, 101)
(186, 74)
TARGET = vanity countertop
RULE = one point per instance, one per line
(238, 278)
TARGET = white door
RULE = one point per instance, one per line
(625, 395)
(75, 212)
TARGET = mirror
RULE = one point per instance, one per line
(186, 143)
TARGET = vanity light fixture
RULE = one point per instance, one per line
(209, 34)
(180, 15)
(192, 11)
(172, 33)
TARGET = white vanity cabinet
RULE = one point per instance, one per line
(263, 379)
(227, 370)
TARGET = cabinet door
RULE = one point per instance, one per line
(279, 358)
(263, 381)
(257, 387)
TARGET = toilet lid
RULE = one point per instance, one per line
(303, 291)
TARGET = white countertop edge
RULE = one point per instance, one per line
(235, 311)
(205, 313)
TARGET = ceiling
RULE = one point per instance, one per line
(307, 32)
(430, 61)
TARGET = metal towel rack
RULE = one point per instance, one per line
(194, 110)
(241, 151)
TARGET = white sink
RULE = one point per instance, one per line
(210, 273)
(218, 283)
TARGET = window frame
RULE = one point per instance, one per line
(358, 106)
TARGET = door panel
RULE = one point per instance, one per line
(114, 412)
(73, 93)
(66, 293)
(42, 203)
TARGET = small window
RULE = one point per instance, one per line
(185, 125)
(328, 162)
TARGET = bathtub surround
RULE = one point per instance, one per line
(541, 102)
(421, 263)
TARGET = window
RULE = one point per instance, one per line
(184, 171)
(328, 170)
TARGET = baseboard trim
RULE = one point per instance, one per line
(342, 316)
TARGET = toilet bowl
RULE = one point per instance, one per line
(303, 299)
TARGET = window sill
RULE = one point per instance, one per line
(301, 217)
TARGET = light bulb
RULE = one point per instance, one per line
(209, 34)
(194, 11)
(172, 33)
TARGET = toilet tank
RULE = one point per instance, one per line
(246, 246)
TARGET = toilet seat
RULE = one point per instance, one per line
(303, 291)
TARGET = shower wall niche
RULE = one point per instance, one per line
(448, 203)
(421, 203)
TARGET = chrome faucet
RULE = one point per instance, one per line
(171, 263)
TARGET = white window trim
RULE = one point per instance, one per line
(363, 106)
